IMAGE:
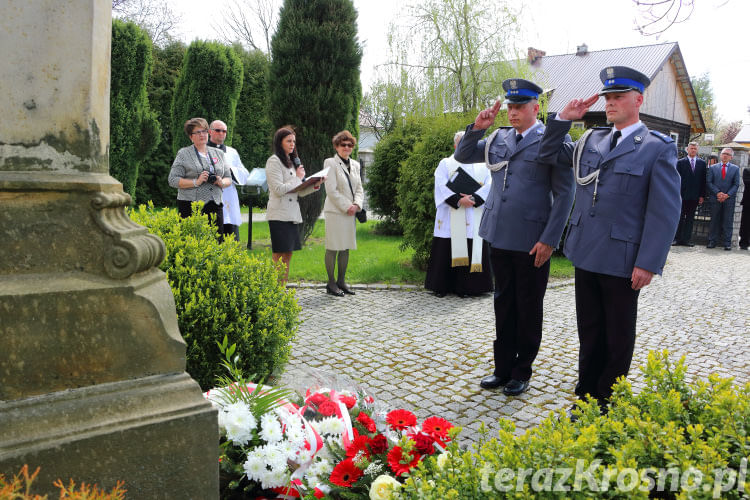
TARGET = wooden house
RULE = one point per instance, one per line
(669, 103)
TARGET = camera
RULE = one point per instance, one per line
(211, 178)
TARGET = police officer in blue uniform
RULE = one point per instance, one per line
(626, 211)
(523, 220)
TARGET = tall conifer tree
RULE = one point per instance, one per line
(134, 129)
(209, 86)
(314, 83)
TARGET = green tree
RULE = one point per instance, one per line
(454, 56)
(253, 130)
(704, 94)
(209, 86)
(384, 173)
(152, 177)
(416, 186)
(134, 130)
(314, 83)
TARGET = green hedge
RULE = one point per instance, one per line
(671, 440)
(220, 289)
(416, 187)
(383, 175)
(208, 86)
(134, 129)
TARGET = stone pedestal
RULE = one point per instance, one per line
(92, 382)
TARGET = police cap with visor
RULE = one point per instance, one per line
(622, 79)
(519, 91)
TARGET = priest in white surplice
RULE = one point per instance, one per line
(457, 265)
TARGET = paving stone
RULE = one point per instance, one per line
(414, 350)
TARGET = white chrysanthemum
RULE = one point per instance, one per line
(255, 467)
(289, 449)
(304, 455)
(275, 478)
(269, 418)
(295, 435)
(238, 422)
(321, 468)
(271, 432)
(330, 426)
(274, 456)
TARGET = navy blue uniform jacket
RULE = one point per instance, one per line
(537, 197)
(638, 205)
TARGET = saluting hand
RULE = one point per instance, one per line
(576, 108)
(486, 117)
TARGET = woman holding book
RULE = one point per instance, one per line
(285, 174)
(344, 198)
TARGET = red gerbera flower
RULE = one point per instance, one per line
(437, 427)
(359, 444)
(317, 399)
(368, 423)
(378, 444)
(401, 464)
(349, 401)
(328, 408)
(401, 419)
(345, 473)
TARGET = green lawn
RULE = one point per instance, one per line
(377, 258)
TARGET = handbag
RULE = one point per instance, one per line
(361, 216)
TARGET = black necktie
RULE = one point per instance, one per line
(613, 142)
(519, 138)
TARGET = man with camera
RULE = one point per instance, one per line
(232, 217)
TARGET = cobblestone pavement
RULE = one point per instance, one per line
(416, 351)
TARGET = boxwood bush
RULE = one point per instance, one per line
(220, 289)
(671, 440)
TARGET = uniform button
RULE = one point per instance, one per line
(510, 173)
(592, 213)
(507, 185)
(628, 169)
(503, 198)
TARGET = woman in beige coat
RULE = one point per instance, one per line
(285, 173)
(344, 197)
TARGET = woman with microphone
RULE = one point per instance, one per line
(284, 174)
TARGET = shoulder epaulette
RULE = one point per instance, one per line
(661, 136)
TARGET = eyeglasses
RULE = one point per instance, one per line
(346, 145)
(221, 131)
(201, 132)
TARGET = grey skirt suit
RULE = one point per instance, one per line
(341, 231)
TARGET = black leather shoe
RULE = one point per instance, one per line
(743, 248)
(572, 416)
(727, 248)
(337, 293)
(676, 243)
(493, 382)
(516, 387)
(462, 295)
(688, 244)
(711, 245)
(440, 295)
(346, 290)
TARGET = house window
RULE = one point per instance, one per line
(578, 125)
(675, 136)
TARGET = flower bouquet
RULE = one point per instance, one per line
(379, 457)
(334, 441)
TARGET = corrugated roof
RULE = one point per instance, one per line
(577, 76)
(743, 135)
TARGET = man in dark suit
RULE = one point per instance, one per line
(723, 182)
(626, 211)
(692, 170)
(523, 220)
(745, 221)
